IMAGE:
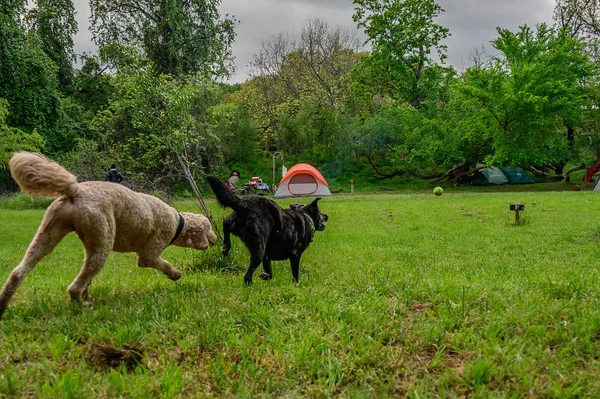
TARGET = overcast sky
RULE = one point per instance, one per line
(471, 22)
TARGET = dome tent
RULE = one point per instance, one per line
(516, 175)
(302, 180)
(490, 176)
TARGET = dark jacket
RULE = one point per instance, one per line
(114, 176)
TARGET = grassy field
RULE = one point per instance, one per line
(403, 295)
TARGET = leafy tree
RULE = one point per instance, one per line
(403, 37)
(299, 86)
(235, 129)
(28, 81)
(54, 23)
(405, 141)
(92, 85)
(13, 139)
(149, 115)
(315, 64)
(579, 17)
(530, 95)
(180, 37)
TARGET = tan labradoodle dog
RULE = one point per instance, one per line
(106, 217)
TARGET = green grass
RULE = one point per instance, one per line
(403, 295)
(23, 201)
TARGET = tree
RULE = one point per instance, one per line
(28, 81)
(54, 23)
(299, 87)
(152, 114)
(180, 37)
(403, 36)
(315, 64)
(235, 130)
(531, 95)
(12, 139)
(579, 17)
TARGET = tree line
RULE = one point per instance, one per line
(389, 107)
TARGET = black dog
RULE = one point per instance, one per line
(269, 232)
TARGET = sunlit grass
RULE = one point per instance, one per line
(403, 295)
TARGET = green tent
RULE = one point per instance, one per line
(516, 175)
(491, 176)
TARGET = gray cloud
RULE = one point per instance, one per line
(472, 23)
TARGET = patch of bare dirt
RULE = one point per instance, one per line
(107, 356)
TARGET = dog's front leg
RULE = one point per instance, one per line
(159, 264)
(268, 274)
(295, 263)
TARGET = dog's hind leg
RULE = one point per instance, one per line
(49, 234)
(268, 274)
(98, 236)
(226, 237)
(156, 262)
(95, 258)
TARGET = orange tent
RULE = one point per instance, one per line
(302, 180)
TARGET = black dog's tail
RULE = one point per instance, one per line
(225, 196)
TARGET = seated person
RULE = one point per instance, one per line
(234, 178)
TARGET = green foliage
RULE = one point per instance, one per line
(150, 116)
(28, 82)
(298, 89)
(92, 88)
(530, 94)
(235, 131)
(181, 37)
(404, 36)
(53, 21)
(89, 160)
(13, 139)
(404, 140)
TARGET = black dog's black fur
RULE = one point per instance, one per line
(269, 232)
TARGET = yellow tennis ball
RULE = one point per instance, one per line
(438, 191)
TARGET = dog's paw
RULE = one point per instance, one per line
(266, 276)
(175, 275)
(247, 281)
(225, 250)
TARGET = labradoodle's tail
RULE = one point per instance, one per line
(39, 176)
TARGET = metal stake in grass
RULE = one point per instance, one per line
(517, 208)
(351, 186)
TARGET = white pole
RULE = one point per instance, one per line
(274, 155)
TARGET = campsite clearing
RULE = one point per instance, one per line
(402, 295)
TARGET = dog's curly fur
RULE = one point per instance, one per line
(106, 217)
(269, 232)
